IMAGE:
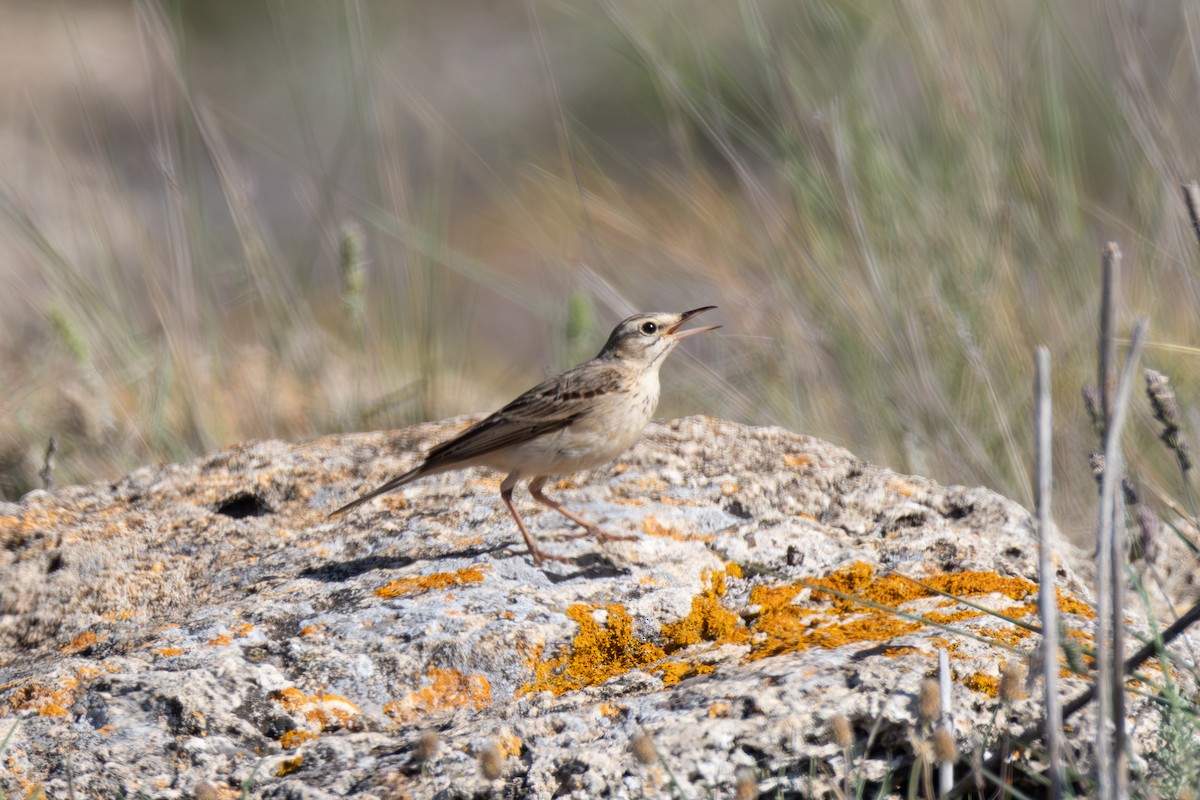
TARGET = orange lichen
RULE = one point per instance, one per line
(167, 652)
(847, 619)
(47, 702)
(654, 527)
(1004, 633)
(650, 484)
(1071, 605)
(901, 651)
(596, 654)
(447, 689)
(719, 710)
(80, 643)
(320, 712)
(433, 581)
(981, 682)
(221, 639)
(708, 621)
(610, 710)
(290, 698)
(675, 671)
(243, 630)
(289, 765)
(330, 712)
(948, 617)
(294, 738)
(509, 745)
(951, 646)
(851, 605)
(798, 461)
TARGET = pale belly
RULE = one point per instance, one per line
(597, 438)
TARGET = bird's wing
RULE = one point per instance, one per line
(547, 407)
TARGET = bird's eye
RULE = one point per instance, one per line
(649, 327)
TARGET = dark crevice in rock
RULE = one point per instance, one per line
(903, 521)
(735, 508)
(959, 511)
(245, 504)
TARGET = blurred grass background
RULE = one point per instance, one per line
(225, 220)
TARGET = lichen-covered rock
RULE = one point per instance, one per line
(193, 629)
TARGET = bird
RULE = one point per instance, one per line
(575, 421)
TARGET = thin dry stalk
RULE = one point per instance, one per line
(1111, 756)
(1111, 268)
(1047, 603)
(946, 724)
(970, 782)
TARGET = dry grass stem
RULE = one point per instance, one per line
(1047, 599)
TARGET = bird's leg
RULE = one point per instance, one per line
(536, 553)
(535, 489)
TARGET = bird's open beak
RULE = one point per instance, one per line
(684, 317)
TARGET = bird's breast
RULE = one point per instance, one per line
(607, 430)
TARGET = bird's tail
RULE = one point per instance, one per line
(394, 483)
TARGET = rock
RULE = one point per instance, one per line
(194, 629)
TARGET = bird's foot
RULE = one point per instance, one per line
(540, 556)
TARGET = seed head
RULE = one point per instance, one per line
(1191, 197)
(944, 748)
(1091, 402)
(491, 762)
(351, 260)
(1166, 410)
(929, 701)
(747, 784)
(643, 748)
(1145, 543)
(427, 746)
(841, 731)
(1162, 398)
(1012, 682)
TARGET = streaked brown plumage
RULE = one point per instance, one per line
(577, 420)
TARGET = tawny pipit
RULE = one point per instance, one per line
(578, 420)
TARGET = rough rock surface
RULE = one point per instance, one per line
(197, 628)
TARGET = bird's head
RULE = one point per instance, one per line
(647, 338)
